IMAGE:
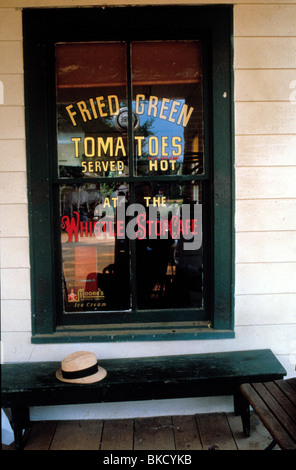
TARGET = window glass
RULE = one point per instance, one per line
(131, 238)
(95, 261)
(168, 101)
(169, 246)
(91, 89)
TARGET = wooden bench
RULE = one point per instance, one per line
(275, 404)
(25, 385)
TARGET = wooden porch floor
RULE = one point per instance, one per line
(214, 431)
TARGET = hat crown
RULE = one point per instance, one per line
(78, 360)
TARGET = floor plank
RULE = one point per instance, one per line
(77, 435)
(259, 438)
(41, 435)
(214, 432)
(118, 435)
(217, 431)
(154, 434)
(186, 433)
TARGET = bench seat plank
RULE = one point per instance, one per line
(275, 409)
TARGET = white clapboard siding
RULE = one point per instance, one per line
(265, 20)
(13, 187)
(17, 316)
(262, 182)
(258, 247)
(265, 161)
(10, 22)
(265, 309)
(15, 284)
(14, 220)
(265, 150)
(265, 85)
(14, 252)
(265, 278)
(13, 155)
(264, 53)
(265, 215)
(11, 57)
(265, 117)
(267, 336)
(13, 86)
(12, 122)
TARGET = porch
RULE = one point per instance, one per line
(213, 431)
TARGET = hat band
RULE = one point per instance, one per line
(79, 374)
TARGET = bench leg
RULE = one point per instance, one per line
(20, 419)
(242, 408)
(271, 445)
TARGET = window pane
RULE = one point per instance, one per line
(95, 260)
(91, 88)
(169, 246)
(168, 101)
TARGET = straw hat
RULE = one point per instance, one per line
(81, 367)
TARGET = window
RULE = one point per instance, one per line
(129, 173)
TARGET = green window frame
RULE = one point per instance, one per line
(47, 27)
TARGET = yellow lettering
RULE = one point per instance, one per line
(164, 144)
(100, 165)
(173, 110)
(159, 201)
(93, 108)
(76, 140)
(89, 147)
(140, 106)
(163, 165)
(113, 100)
(119, 146)
(105, 146)
(177, 146)
(139, 139)
(153, 152)
(152, 165)
(185, 115)
(101, 104)
(152, 105)
(71, 114)
(106, 202)
(163, 108)
(84, 111)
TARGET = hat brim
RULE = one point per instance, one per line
(100, 375)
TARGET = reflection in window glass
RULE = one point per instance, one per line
(167, 98)
(130, 243)
(95, 261)
(91, 89)
(169, 248)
